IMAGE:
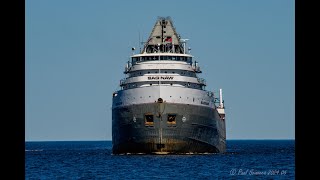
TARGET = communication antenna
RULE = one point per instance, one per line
(139, 42)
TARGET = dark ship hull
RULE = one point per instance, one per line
(174, 129)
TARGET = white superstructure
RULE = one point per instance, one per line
(163, 69)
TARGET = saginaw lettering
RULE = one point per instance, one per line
(161, 78)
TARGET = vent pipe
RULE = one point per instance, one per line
(221, 100)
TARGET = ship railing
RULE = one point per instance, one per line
(210, 93)
(196, 69)
(122, 81)
(202, 81)
(127, 69)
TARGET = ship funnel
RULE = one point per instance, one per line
(221, 100)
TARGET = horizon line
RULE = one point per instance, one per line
(111, 140)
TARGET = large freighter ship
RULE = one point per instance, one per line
(163, 107)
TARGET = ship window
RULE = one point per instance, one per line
(171, 118)
(171, 84)
(148, 72)
(134, 59)
(150, 84)
(165, 72)
(148, 119)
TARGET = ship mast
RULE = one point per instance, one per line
(164, 35)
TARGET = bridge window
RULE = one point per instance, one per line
(134, 59)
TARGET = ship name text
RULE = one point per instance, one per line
(160, 77)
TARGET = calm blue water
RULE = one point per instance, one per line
(245, 159)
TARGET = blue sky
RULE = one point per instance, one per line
(76, 52)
